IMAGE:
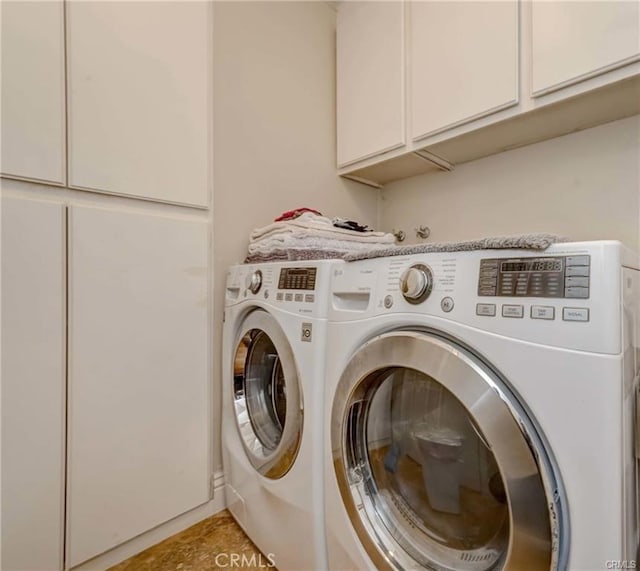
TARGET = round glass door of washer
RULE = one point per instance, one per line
(267, 399)
(433, 464)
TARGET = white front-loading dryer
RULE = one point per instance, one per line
(479, 411)
(274, 343)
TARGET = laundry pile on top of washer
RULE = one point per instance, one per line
(305, 234)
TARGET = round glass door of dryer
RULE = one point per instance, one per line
(267, 398)
(435, 466)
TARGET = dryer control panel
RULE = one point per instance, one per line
(548, 276)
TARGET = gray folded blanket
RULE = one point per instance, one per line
(293, 255)
(519, 242)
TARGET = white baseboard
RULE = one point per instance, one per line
(219, 499)
(160, 533)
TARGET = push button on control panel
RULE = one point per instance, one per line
(577, 260)
(447, 304)
(512, 311)
(488, 309)
(542, 312)
(577, 271)
(574, 281)
(575, 314)
(576, 292)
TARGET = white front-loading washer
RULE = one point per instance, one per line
(479, 410)
(274, 343)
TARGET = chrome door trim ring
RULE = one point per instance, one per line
(528, 479)
(276, 463)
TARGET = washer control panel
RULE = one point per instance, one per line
(297, 278)
(549, 276)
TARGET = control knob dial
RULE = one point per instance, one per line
(254, 281)
(416, 283)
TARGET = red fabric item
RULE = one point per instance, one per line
(291, 214)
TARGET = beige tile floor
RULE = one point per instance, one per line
(208, 545)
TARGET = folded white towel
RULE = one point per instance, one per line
(307, 234)
(309, 224)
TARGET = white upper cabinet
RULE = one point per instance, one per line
(575, 40)
(139, 428)
(463, 60)
(475, 72)
(140, 102)
(370, 79)
(33, 384)
(33, 90)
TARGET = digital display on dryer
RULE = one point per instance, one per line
(548, 276)
(297, 278)
(544, 265)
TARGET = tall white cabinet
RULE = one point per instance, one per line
(139, 444)
(106, 325)
(105, 377)
(33, 384)
(140, 99)
(33, 90)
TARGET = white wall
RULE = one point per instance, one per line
(274, 129)
(585, 185)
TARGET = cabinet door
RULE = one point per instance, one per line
(140, 98)
(139, 438)
(33, 96)
(370, 79)
(33, 384)
(463, 61)
(572, 41)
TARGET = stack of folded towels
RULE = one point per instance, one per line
(304, 234)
